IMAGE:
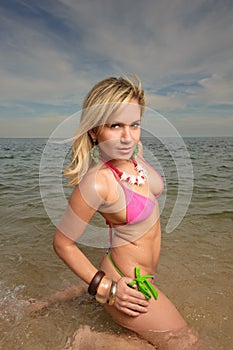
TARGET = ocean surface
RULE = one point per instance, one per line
(195, 268)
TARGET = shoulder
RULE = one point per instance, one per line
(96, 182)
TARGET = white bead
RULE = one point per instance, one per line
(124, 176)
(135, 180)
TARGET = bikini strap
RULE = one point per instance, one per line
(115, 170)
(113, 263)
(111, 167)
(109, 232)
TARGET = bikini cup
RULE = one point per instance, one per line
(140, 215)
(138, 206)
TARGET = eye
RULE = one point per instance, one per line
(136, 125)
(115, 126)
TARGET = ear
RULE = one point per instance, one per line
(92, 134)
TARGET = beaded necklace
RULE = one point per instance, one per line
(139, 179)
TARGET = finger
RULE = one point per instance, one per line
(134, 293)
(130, 312)
(133, 310)
(137, 301)
(127, 304)
(137, 308)
(133, 296)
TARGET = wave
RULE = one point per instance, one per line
(10, 305)
(224, 213)
(7, 157)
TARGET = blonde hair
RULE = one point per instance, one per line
(104, 98)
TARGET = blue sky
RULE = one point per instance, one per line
(52, 52)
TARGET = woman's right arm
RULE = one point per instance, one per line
(83, 204)
(68, 251)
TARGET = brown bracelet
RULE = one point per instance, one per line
(92, 289)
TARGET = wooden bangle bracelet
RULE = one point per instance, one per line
(92, 289)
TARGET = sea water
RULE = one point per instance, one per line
(195, 268)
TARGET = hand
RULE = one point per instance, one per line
(130, 300)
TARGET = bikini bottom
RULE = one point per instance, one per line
(113, 264)
(144, 286)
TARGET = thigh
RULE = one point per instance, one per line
(162, 315)
(162, 326)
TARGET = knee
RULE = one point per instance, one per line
(185, 339)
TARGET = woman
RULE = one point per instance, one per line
(112, 178)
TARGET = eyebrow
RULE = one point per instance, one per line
(118, 122)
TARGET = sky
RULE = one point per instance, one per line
(53, 51)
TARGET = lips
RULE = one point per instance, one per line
(125, 150)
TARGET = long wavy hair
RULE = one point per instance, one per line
(105, 97)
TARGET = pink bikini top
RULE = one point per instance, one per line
(138, 207)
(141, 211)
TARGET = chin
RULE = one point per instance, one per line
(122, 156)
(117, 155)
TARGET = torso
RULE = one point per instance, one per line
(136, 239)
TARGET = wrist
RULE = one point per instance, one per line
(103, 290)
(106, 292)
(112, 293)
(95, 282)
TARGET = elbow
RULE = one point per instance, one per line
(58, 244)
(55, 244)
(62, 245)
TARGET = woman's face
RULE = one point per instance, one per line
(118, 137)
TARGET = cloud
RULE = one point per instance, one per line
(160, 37)
(40, 74)
(217, 90)
(52, 52)
(166, 103)
(212, 91)
(34, 65)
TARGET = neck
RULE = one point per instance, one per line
(118, 161)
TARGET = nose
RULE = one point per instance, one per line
(126, 136)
